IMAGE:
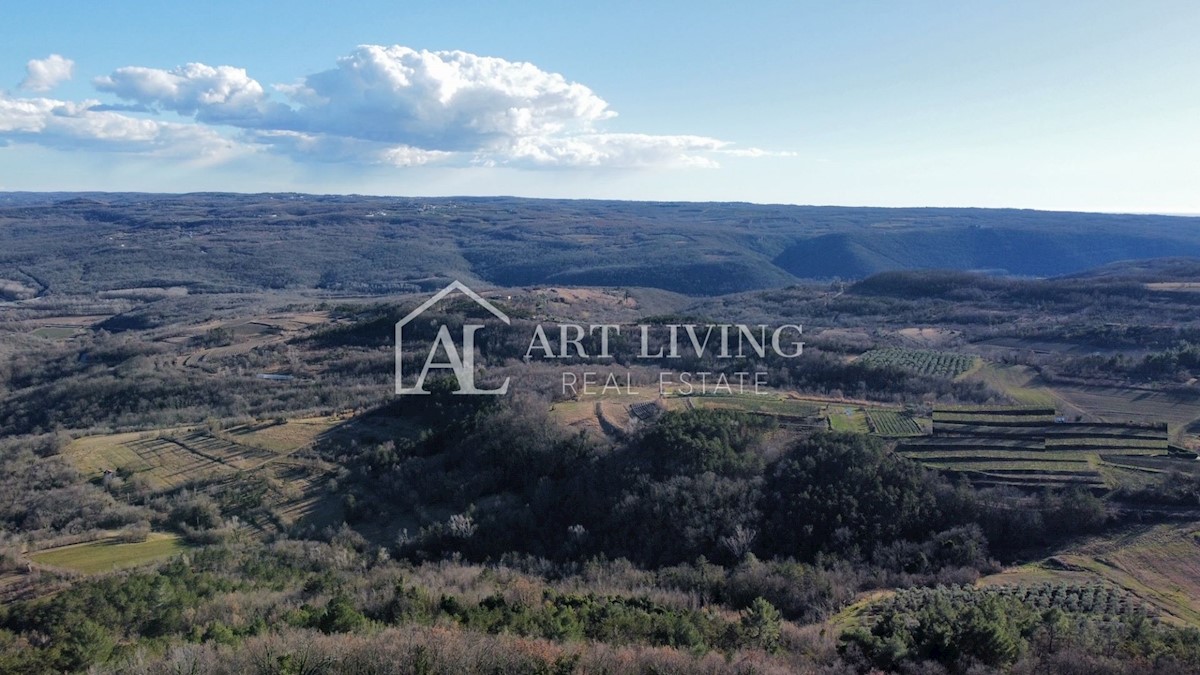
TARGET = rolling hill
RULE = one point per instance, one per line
(62, 243)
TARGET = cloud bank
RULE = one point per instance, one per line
(392, 106)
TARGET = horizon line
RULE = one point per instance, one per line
(1174, 214)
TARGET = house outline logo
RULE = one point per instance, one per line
(459, 360)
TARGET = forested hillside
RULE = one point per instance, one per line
(73, 243)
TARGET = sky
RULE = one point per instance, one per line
(1065, 105)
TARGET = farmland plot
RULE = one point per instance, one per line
(109, 554)
(169, 458)
(921, 361)
(892, 423)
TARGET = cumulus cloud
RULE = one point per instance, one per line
(442, 100)
(46, 74)
(389, 105)
(221, 94)
(74, 125)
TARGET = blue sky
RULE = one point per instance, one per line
(1054, 105)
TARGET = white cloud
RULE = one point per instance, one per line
(75, 125)
(406, 155)
(606, 150)
(221, 94)
(449, 101)
(46, 74)
(379, 105)
(339, 149)
(757, 152)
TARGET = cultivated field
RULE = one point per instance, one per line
(846, 418)
(892, 424)
(55, 332)
(281, 438)
(1124, 404)
(1024, 446)
(768, 405)
(165, 459)
(105, 555)
(1157, 564)
(1155, 464)
(921, 361)
(1020, 383)
(168, 458)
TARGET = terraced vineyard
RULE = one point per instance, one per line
(921, 361)
(1024, 446)
(990, 421)
(1154, 464)
(1029, 447)
(1001, 446)
(892, 424)
(1130, 438)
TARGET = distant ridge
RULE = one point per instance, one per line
(216, 242)
(1157, 269)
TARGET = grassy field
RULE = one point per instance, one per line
(989, 454)
(973, 445)
(94, 454)
(165, 459)
(995, 415)
(55, 332)
(1099, 402)
(1123, 404)
(109, 554)
(1154, 464)
(576, 414)
(281, 438)
(1094, 445)
(766, 404)
(1159, 564)
(1027, 470)
(1004, 464)
(586, 412)
(842, 418)
(1018, 383)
